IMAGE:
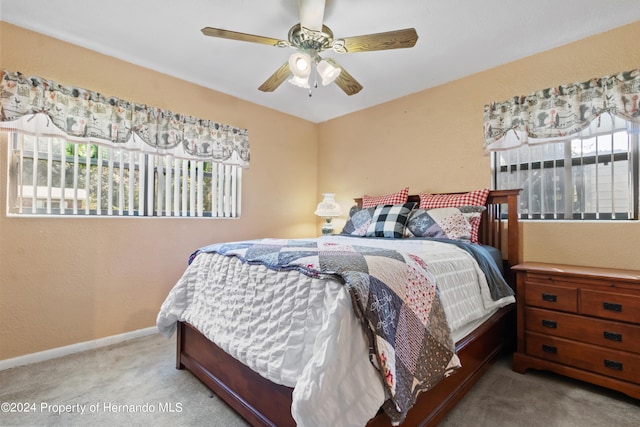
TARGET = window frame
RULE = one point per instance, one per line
(632, 155)
(178, 195)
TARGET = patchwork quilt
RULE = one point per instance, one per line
(394, 295)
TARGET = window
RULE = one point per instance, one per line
(55, 176)
(73, 151)
(591, 177)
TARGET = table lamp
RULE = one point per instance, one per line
(328, 208)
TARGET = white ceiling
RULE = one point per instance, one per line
(456, 38)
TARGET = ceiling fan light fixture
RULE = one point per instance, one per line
(300, 81)
(328, 71)
(300, 66)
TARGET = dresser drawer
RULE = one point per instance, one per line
(552, 297)
(610, 305)
(609, 362)
(606, 333)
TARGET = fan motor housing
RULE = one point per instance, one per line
(306, 39)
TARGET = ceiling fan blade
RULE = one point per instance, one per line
(380, 41)
(233, 35)
(347, 83)
(311, 14)
(276, 78)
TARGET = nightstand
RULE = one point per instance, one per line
(582, 322)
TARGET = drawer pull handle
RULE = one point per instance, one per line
(550, 324)
(549, 297)
(612, 336)
(613, 365)
(612, 306)
(551, 349)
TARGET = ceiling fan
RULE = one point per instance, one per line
(309, 38)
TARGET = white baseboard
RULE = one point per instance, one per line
(41, 356)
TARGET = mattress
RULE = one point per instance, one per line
(301, 331)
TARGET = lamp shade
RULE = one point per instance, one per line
(328, 206)
(328, 71)
(300, 66)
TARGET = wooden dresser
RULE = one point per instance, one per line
(582, 322)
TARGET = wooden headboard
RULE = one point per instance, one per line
(493, 231)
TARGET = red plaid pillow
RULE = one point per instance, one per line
(472, 198)
(390, 199)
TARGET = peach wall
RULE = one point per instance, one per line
(431, 141)
(69, 280)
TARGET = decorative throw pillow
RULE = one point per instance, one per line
(474, 216)
(390, 199)
(440, 223)
(472, 198)
(358, 222)
(390, 220)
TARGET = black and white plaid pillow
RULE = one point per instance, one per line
(389, 220)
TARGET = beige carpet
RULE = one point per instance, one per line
(136, 383)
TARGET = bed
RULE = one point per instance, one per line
(266, 403)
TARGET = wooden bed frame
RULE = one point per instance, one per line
(264, 403)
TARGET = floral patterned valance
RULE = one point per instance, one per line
(81, 114)
(560, 112)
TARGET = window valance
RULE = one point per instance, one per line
(83, 115)
(560, 112)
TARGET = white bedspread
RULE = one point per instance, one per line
(301, 332)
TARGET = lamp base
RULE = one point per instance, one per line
(327, 227)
